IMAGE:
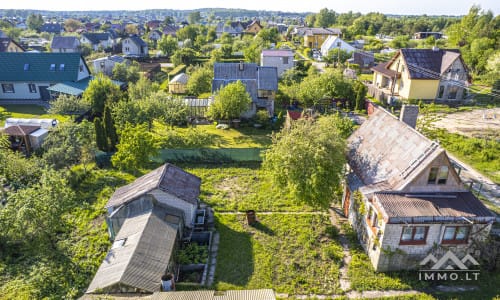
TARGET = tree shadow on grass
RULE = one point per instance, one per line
(235, 261)
(263, 228)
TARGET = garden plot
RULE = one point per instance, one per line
(476, 123)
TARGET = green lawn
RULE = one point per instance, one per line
(207, 136)
(239, 187)
(27, 112)
(294, 254)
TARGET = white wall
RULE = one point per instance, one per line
(22, 91)
(85, 71)
(277, 61)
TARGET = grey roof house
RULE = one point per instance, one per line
(31, 75)
(56, 28)
(260, 82)
(98, 40)
(145, 219)
(65, 44)
(403, 196)
(106, 64)
(134, 46)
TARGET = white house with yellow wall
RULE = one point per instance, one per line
(427, 74)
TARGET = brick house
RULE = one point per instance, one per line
(404, 198)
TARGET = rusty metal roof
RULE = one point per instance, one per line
(432, 207)
(168, 178)
(385, 153)
(20, 130)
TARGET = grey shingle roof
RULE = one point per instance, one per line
(384, 151)
(277, 52)
(168, 178)
(432, 207)
(144, 256)
(67, 42)
(13, 65)
(437, 61)
(138, 41)
(251, 75)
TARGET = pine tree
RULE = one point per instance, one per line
(109, 129)
(100, 134)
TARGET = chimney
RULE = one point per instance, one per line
(241, 65)
(409, 114)
(435, 48)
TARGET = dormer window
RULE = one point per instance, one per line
(26, 67)
(52, 67)
(61, 67)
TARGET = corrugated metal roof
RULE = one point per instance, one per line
(142, 258)
(168, 178)
(432, 207)
(39, 66)
(20, 130)
(262, 294)
(180, 78)
(384, 149)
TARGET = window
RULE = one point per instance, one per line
(441, 91)
(52, 67)
(456, 234)
(7, 87)
(414, 235)
(102, 64)
(32, 87)
(127, 49)
(438, 175)
(81, 68)
(26, 67)
(452, 92)
(61, 67)
(442, 175)
(432, 175)
(285, 60)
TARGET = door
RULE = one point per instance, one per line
(347, 202)
(44, 93)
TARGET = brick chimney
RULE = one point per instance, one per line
(409, 114)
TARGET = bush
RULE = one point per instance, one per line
(262, 117)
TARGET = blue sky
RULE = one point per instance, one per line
(415, 7)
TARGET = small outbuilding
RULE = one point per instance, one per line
(178, 84)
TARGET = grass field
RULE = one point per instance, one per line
(294, 254)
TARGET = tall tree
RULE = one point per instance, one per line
(307, 161)
(101, 91)
(230, 102)
(135, 149)
(168, 45)
(200, 81)
(100, 135)
(34, 22)
(72, 25)
(109, 129)
(194, 17)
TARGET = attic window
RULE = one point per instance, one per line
(61, 67)
(119, 243)
(26, 67)
(52, 67)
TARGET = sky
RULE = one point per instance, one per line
(403, 7)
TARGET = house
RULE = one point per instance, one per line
(427, 74)
(365, 60)
(134, 46)
(146, 218)
(403, 196)
(426, 34)
(65, 44)
(170, 30)
(178, 84)
(155, 36)
(9, 45)
(335, 42)
(282, 59)
(254, 27)
(28, 76)
(98, 40)
(106, 64)
(235, 29)
(55, 28)
(314, 36)
(141, 253)
(153, 24)
(260, 82)
(168, 185)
